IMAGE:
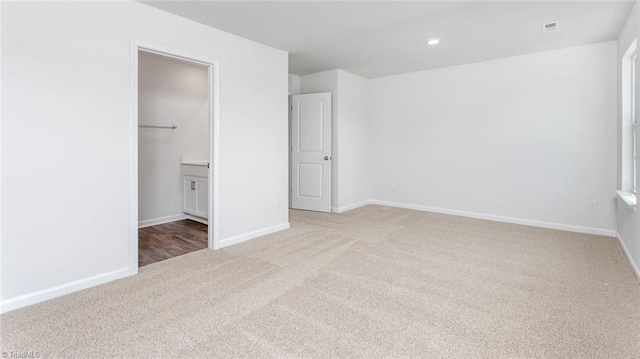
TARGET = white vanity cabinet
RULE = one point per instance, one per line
(195, 188)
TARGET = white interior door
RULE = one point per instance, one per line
(311, 152)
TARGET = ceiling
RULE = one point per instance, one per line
(375, 39)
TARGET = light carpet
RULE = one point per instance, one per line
(375, 282)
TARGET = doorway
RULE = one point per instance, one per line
(175, 176)
(310, 156)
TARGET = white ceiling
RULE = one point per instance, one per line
(374, 39)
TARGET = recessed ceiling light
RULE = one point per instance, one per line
(433, 42)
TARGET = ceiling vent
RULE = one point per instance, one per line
(551, 26)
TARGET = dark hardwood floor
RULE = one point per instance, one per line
(164, 241)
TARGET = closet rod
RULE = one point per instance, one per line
(172, 127)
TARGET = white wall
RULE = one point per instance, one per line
(353, 141)
(528, 137)
(349, 171)
(294, 89)
(627, 219)
(327, 81)
(294, 84)
(66, 94)
(170, 92)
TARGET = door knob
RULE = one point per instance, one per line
(326, 158)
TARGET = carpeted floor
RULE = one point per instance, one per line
(375, 282)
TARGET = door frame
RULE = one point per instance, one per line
(213, 217)
(331, 162)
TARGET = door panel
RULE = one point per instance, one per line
(311, 152)
(310, 129)
(189, 195)
(196, 196)
(310, 180)
(202, 198)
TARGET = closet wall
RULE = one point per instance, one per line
(171, 92)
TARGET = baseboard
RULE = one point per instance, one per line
(67, 288)
(251, 235)
(197, 219)
(495, 218)
(350, 207)
(162, 220)
(634, 266)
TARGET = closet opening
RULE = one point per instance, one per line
(175, 172)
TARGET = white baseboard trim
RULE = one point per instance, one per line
(634, 266)
(495, 218)
(251, 235)
(162, 220)
(350, 207)
(57, 291)
(197, 219)
(169, 219)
